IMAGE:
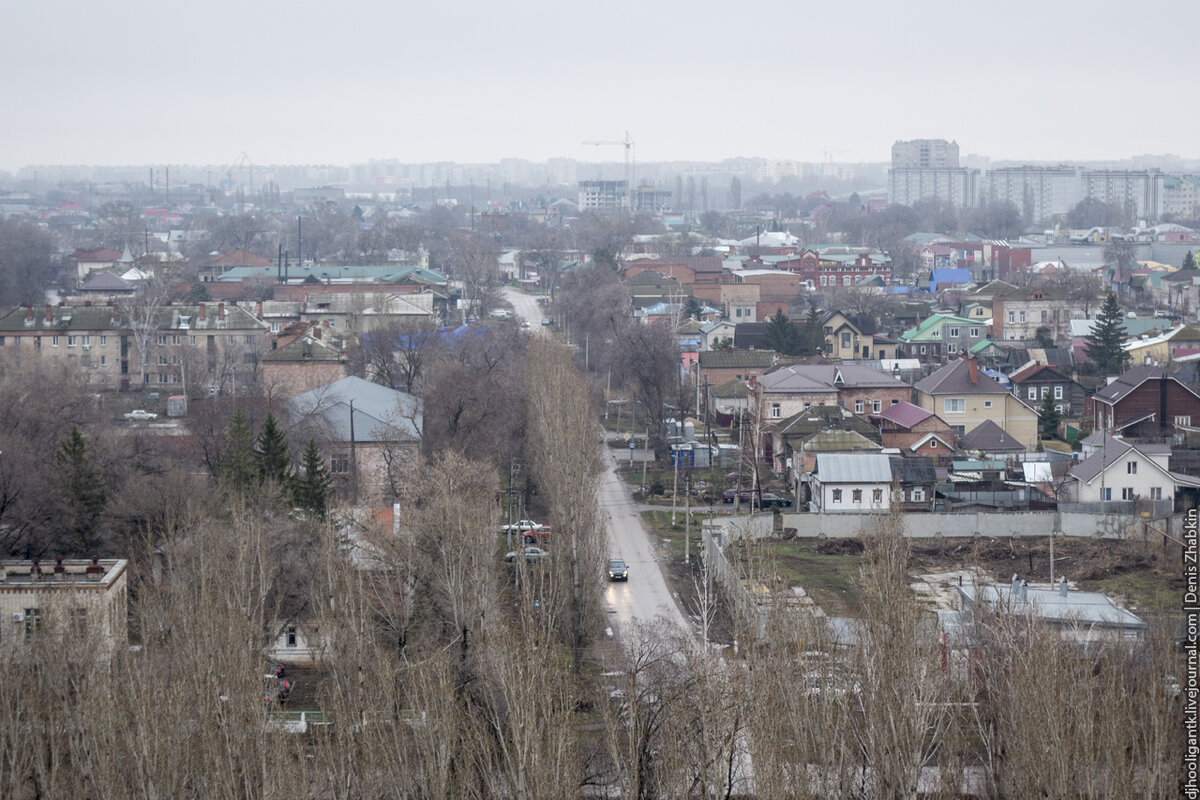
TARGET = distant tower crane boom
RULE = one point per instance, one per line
(627, 143)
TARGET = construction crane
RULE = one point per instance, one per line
(627, 143)
(233, 175)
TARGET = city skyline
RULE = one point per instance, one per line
(422, 84)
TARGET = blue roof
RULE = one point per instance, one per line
(948, 275)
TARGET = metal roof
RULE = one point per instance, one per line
(380, 414)
(1079, 608)
(853, 468)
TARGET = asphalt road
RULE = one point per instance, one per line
(644, 598)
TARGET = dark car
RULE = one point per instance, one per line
(775, 501)
(618, 570)
(744, 495)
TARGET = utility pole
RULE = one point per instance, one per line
(675, 485)
(687, 519)
(512, 472)
(353, 457)
(645, 458)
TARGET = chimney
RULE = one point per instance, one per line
(1062, 586)
(258, 310)
(973, 371)
(49, 315)
(1025, 590)
(35, 571)
(94, 570)
(202, 312)
(28, 315)
(1015, 589)
(316, 332)
(59, 569)
(220, 312)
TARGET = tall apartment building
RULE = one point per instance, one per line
(602, 195)
(925, 154)
(957, 185)
(1043, 192)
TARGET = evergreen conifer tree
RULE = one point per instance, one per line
(310, 490)
(83, 491)
(1189, 260)
(1104, 342)
(782, 336)
(1048, 417)
(238, 466)
(813, 337)
(271, 454)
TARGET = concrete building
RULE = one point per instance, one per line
(924, 154)
(602, 195)
(956, 185)
(87, 596)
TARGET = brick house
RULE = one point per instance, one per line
(904, 425)
(718, 366)
(790, 390)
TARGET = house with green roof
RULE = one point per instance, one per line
(940, 337)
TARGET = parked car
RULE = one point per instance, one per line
(770, 500)
(547, 321)
(521, 525)
(618, 570)
(141, 414)
(532, 554)
(539, 535)
(745, 495)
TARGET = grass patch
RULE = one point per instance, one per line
(830, 579)
(1143, 589)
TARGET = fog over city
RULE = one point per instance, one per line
(305, 82)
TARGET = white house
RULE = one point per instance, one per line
(851, 482)
(713, 332)
(1122, 471)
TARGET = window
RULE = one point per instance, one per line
(1156, 493)
(33, 620)
(291, 636)
(162, 360)
(104, 341)
(1058, 392)
(248, 339)
(1045, 391)
(856, 496)
(858, 406)
(103, 360)
(1033, 393)
(176, 338)
(1106, 494)
(954, 332)
(918, 494)
(1178, 420)
(1021, 316)
(230, 338)
(1131, 468)
(1127, 493)
(876, 406)
(954, 405)
(192, 339)
(974, 332)
(1043, 316)
(922, 349)
(987, 403)
(54, 341)
(1012, 317)
(951, 348)
(339, 464)
(72, 341)
(176, 359)
(162, 339)
(775, 411)
(828, 328)
(87, 341)
(837, 495)
(877, 496)
(845, 280)
(845, 340)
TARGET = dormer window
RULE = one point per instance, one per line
(185, 322)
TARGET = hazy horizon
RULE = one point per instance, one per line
(296, 84)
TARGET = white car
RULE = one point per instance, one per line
(520, 526)
(140, 414)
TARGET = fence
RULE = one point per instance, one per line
(965, 524)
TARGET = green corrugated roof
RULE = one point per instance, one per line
(922, 333)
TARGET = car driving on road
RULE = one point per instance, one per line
(618, 570)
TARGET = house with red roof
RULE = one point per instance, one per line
(1034, 382)
(914, 429)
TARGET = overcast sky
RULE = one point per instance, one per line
(137, 82)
